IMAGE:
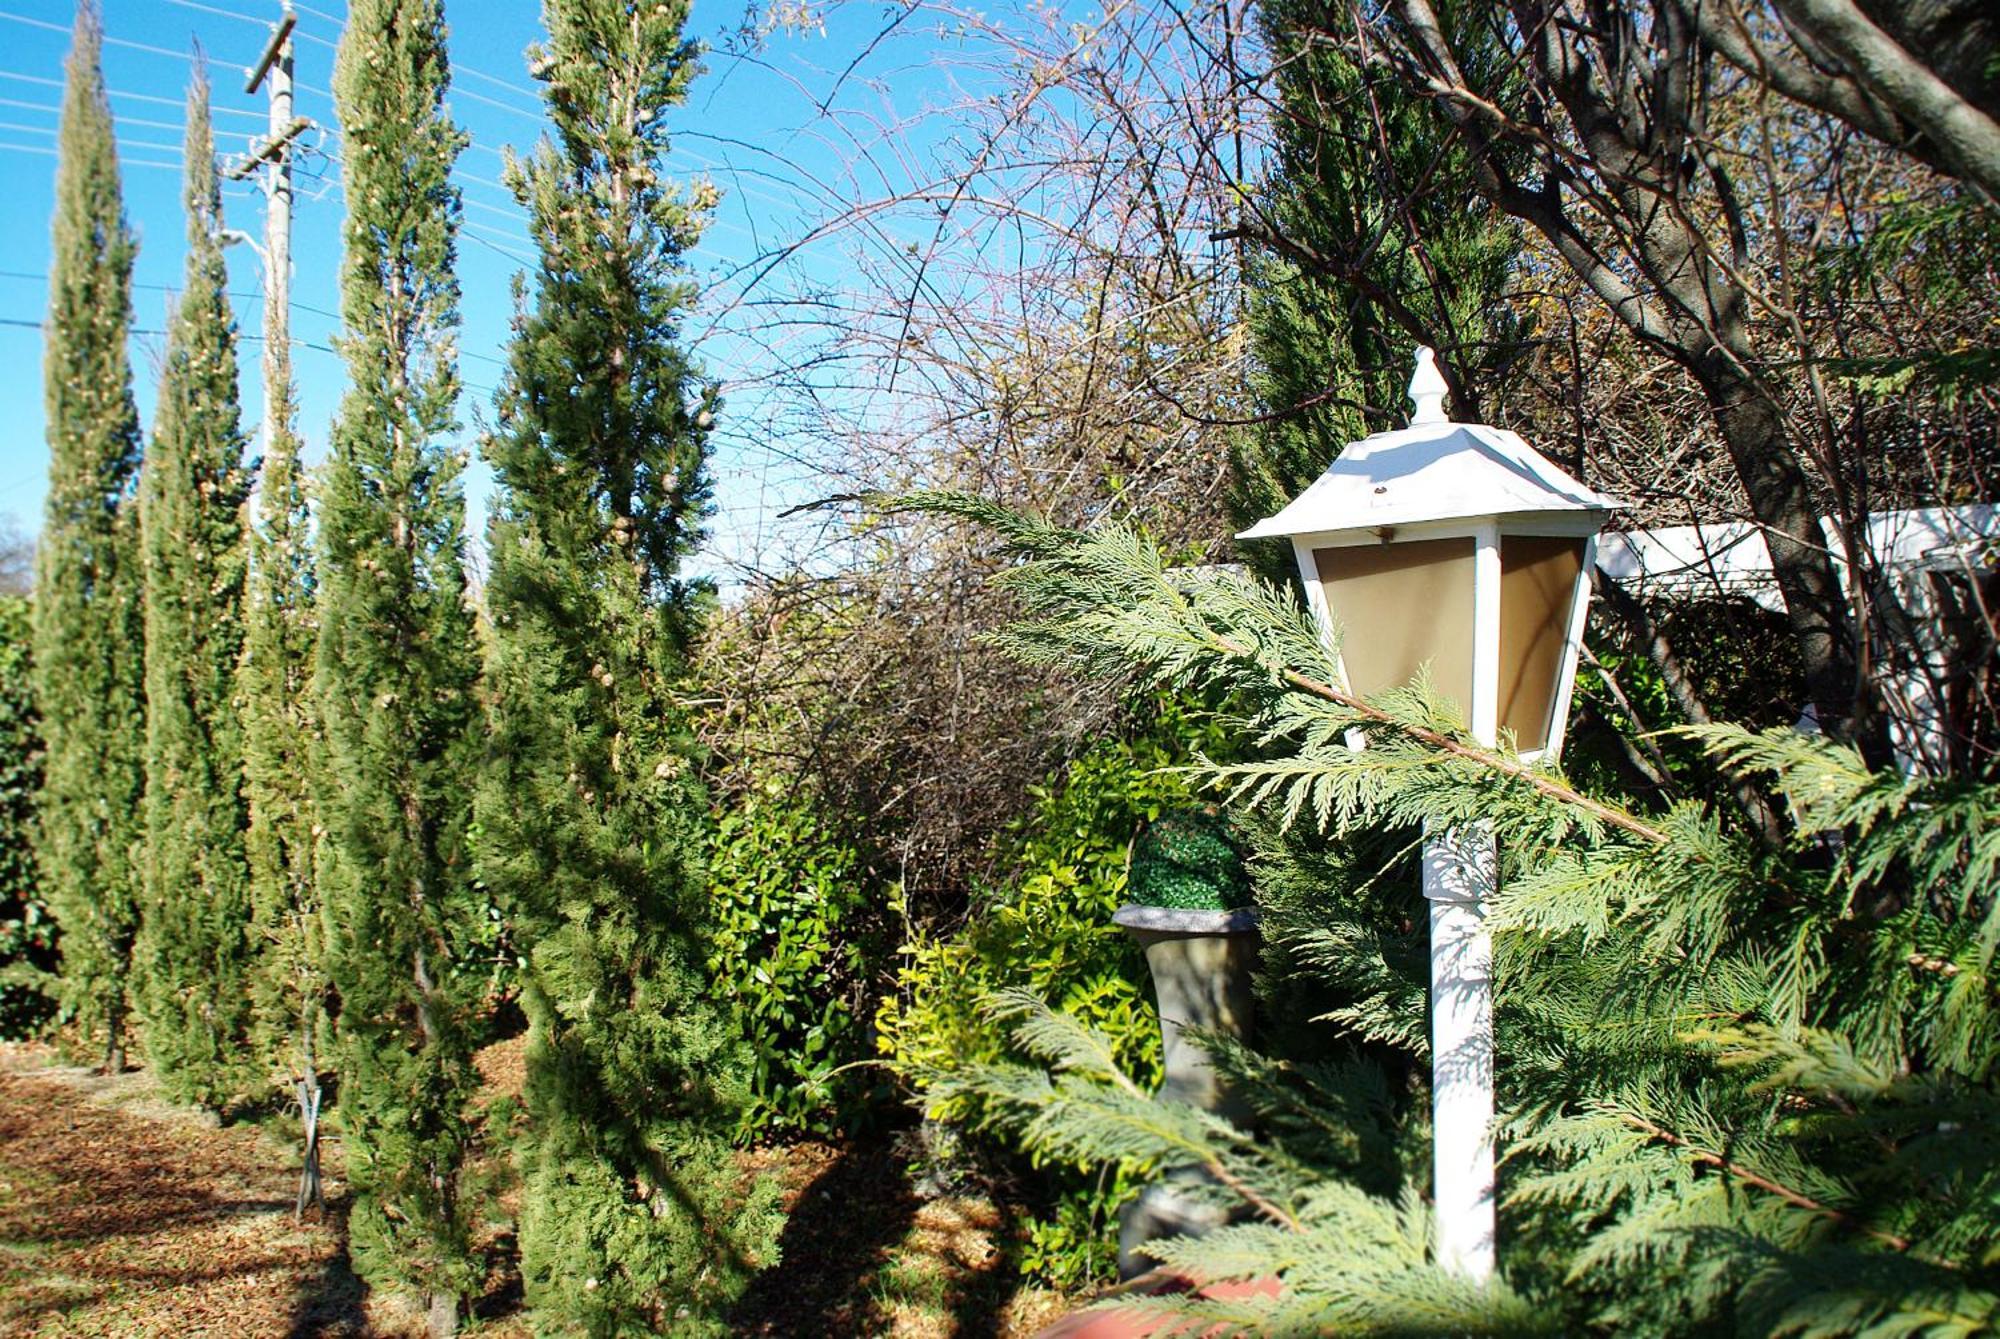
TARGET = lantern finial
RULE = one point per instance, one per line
(1427, 390)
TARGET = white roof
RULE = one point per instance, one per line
(1431, 471)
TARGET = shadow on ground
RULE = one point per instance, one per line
(843, 1223)
(863, 1253)
(119, 1215)
(332, 1302)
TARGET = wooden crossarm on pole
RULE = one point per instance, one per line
(267, 150)
(277, 44)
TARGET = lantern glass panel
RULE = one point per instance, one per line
(1538, 576)
(1398, 606)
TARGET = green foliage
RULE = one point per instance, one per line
(591, 817)
(88, 627)
(1048, 929)
(192, 955)
(1187, 860)
(1351, 1262)
(791, 948)
(1742, 1090)
(396, 668)
(27, 934)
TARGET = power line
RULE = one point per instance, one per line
(511, 215)
(522, 89)
(121, 93)
(458, 68)
(225, 13)
(494, 102)
(51, 153)
(20, 324)
(244, 18)
(122, 144)
(30, 276)
(334, 19)
(502, 186)
(122, 121)
(471, 232)
(107, 40)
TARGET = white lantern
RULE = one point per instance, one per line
(1458, 548)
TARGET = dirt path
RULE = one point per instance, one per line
(121, 1215)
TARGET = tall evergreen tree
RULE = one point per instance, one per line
(280, 725)
(27, 938)
(1374, 241)
(88, 629)
(592, 826)
(193, 959)
(396, 668)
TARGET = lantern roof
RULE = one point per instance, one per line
(1433, 470)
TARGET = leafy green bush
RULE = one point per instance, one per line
(1048, 929)
(27, 934)
(796, 929)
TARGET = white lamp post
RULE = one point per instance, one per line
(1458, 547)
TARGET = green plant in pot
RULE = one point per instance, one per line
(1190, 913)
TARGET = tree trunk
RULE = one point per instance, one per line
(1630, 610)
(311, 1193)
(1687, 303)
(114, 1041)
(441, 1315)
(1816, 605)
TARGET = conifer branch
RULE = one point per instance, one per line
(1094, 584)
(1798, 1199)
(1490, 759)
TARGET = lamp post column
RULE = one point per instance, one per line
(1460, 873)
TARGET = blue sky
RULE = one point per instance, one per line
(755, 125)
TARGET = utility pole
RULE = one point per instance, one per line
(273, 154)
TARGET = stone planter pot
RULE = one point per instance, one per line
(1201, 962)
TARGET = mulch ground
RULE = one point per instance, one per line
(123, 1215)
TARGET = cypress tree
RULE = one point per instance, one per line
(27, 939)
(88, 628)
(591, 824)
(280, 727)
(396, 667)
(193, 953)
(1377, 234)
